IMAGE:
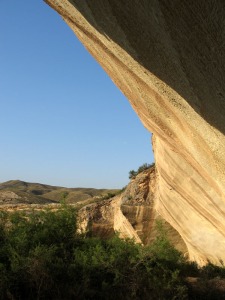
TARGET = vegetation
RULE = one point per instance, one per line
(145, 166)
(42, 257)
(112, 194)
(36, 193)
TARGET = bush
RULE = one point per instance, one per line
(34, 245)
(210, 271)
(42, 257)
(133, 174)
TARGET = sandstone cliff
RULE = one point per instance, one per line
(132, 214)
(168, 59)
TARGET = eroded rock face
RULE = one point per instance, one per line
(137, 204)
(104, 219)
(168, 58)
(132, 214)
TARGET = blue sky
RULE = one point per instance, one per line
(62, 120)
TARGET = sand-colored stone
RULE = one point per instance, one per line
(168, 58)
(131, 214)
(8, 196)
(104, 219)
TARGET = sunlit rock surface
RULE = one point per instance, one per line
(168, 58)
(131, 214)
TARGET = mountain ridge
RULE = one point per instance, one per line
(38, 193)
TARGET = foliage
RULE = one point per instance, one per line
(145, 166)
(210, 271)
(64, 195)
(110, 195)
(42, 257)
(162, 248)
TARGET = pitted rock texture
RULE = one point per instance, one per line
(168, 58)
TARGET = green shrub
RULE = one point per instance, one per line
(132, 174)
(42, 257)
(162, 248)
(210, 271)
(145, 166)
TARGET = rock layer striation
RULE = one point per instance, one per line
(168, 57)
(131, 213)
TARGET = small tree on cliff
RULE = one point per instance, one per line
(133, 174)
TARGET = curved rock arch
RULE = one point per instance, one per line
(167, 57)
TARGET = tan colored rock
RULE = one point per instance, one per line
(131, 214)
(137, 204)
(8, 196)
(168, 58)
(104, 219)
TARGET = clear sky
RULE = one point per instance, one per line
(62, 120)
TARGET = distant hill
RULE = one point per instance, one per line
(21, 192)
